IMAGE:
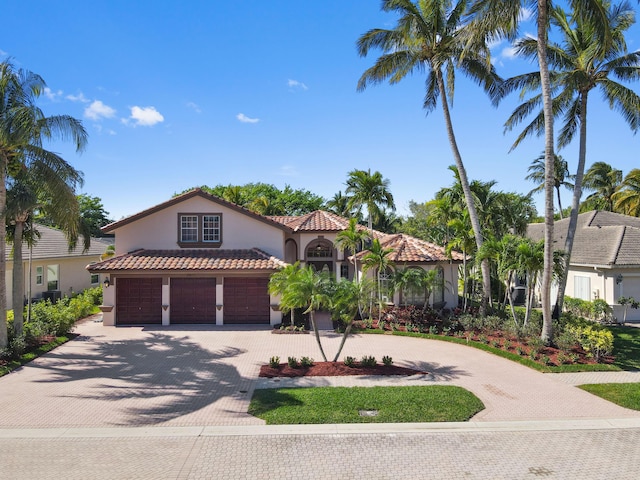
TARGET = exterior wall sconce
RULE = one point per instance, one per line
(219, 307)
(619, 279)
(106, 282)
(275, 307)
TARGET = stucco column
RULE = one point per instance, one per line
(166, 295)
(219, 304)
(338, 270)
(108, 304)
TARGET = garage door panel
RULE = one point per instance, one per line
(193, 300)
(138, 301)
(246, 300)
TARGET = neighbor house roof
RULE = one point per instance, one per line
(195, 260)
(602, 238)
(54, 244)
(196, 192)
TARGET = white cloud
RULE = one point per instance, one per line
(194, 106)
(144, 116)
(508, 53)
(98, 110)
(525, 14)
(78, 98)
(51, 95)
(296, 85)
(288, 171)
(244, 119)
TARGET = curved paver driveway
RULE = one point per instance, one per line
(172, 376)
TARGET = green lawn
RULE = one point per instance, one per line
(626, 347)
(623, 394)
(324, 405)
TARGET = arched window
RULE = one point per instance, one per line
(413, 295)
(319, 250)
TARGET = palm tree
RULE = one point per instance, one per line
(23, 130)
(352, 239)
(278, 283)
(306, 288)
(605, 180)
(339, 204)
(627, 197)
(377, 259)
(462, 240)
(368, 190)
(561, 176)
(432, 36)
(593, 46)
(345, 302)
(501, 18)
(415, 280)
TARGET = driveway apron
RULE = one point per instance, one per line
(205, 375)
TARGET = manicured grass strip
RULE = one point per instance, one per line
(626, 347)
(624, 394)
(325, 405)
(27, 357)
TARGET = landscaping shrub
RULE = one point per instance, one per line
(293, 362)
(349, 361)
(306, 362)
(368, 361)
(274, 362)
(387, 360)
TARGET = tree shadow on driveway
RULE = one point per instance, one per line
(147, 380)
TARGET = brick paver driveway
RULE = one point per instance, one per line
(202, 376)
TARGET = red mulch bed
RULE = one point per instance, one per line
(334, 369)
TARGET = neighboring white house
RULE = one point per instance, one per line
(54, 270)
(200, 259)
(605, 261)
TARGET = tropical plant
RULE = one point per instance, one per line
(628, 302)
(627, 198)
(23, 131)
(416, 280)
(345, 302)
(308, 289)
(433, 36)
(370, 190)
(561, 176)
(280, 281)
(352, 239)
(339, 204)
(578, 65)
(462, 240)
(377, 259)
(604, 180)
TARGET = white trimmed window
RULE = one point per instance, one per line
(39, 275)
(211, 228)
(199, 230)
(189, 228)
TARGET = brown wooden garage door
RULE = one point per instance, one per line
(193, 300)
(246, 300)
(138, 301)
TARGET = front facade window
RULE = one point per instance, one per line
(438, 289)
(52, 277)
(199, 230)
(40, 275)
(211, 228)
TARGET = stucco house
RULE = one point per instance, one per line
(197, 258)
(605, 261)
(55, 270)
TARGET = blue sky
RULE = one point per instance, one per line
(181, 94)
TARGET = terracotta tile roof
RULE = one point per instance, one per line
(602, 238)
(316, 221)
(196, 192)
(408, 249)
(191, 260)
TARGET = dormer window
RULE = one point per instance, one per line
(200, 230)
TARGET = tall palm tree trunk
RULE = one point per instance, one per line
(575, 206)
(559, 202)
(547, 324)
(4, 338)
(18, 279)
(317, 334)
(464, 182)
